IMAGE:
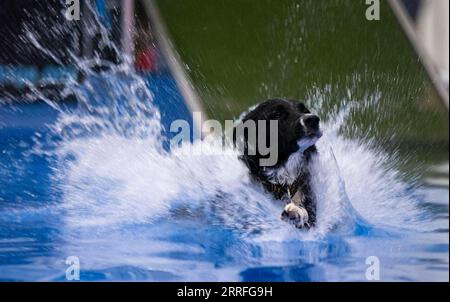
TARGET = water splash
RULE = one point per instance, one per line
(120, 174)
(185, 214)
(111, 167)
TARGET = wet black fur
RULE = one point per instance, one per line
(290, 130)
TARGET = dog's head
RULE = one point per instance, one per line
(297, 129)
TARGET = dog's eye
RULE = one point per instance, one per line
(302, 108)
(278, 113)
(276, 116)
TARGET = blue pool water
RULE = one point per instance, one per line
(96, 180)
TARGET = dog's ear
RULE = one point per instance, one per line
(302, 108)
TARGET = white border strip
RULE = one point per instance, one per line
(407, 26)
(173, 59)
(127, 27)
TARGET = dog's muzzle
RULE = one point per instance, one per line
(310, 123)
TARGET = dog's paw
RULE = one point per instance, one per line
(296, 215)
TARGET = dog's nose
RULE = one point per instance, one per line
(311, 121)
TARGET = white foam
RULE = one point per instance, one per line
(118, 179)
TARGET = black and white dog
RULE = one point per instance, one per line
(289, 178)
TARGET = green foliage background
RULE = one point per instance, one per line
(324, 52)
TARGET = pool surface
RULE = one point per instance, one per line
(98, 181)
